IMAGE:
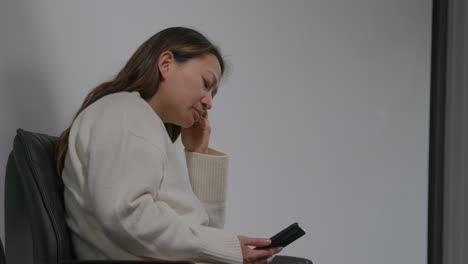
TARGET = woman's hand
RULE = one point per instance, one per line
(257, 256)
(196, 137)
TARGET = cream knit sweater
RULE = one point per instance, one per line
(128, 196)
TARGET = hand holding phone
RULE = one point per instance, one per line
(285, 237)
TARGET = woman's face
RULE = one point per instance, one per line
(186, 90)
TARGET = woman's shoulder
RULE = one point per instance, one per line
(125, 111)
(117, 103)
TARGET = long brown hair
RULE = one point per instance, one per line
(141, 73)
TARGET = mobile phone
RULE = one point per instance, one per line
(285, 236)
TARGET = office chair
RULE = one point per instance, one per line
(2, 253)
(35, 227)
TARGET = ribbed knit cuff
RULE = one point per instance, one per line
(219, 246)
(208, 175)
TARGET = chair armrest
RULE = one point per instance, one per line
(123, 262)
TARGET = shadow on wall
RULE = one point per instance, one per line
(26, 99)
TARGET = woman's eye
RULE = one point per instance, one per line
(207, 86)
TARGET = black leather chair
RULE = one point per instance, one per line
(2, 253)
(35, 227)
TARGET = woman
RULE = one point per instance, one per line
(127, 195)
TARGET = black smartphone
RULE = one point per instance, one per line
(285, 236)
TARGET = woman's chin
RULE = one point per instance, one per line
(188, 124)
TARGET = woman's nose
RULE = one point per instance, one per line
(207, 101)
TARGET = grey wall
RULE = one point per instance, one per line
(325, 113)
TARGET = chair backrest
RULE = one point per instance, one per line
(35, 227)
(2, 253)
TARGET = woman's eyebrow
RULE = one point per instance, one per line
(214, 75)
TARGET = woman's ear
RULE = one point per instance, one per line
(165, 63)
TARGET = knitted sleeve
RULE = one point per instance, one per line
(208, 177)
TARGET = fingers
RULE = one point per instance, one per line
(204, 123)
(204, 116)
(263, 256)
(257, 242)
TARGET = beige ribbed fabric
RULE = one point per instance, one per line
(128, 196)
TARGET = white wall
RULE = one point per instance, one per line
(325, 114)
